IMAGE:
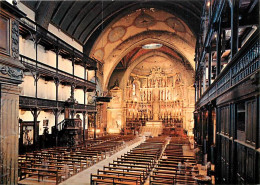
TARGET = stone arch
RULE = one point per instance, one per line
(168, 39)
(143, 57)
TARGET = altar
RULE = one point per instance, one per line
(153, 124)
(152, 128)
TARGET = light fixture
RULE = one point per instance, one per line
(152, 46)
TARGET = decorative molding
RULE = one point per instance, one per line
(144, 21)
(175, 24)
(99, 54)
(15, 39)
(116, 33)
(12, 72)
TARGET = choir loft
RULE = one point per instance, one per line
(129, 92)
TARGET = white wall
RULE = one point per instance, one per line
(50, 58)
(27, 116)
(79, 96)
(28, 86)
(29, 13)
(51, 90)
(65, 37)
(64, 92)
(43, 88)
(65, 65)
(26, 48)
(91, 74)
(79, 71)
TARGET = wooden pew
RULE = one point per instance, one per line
(136, 163)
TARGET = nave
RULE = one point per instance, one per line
(134, 92)
(115, 159)
(54, 165)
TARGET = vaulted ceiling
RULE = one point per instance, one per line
(85, 20)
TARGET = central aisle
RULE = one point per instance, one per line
(84, 176)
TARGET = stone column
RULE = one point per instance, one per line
(9, 133)
(11, 75)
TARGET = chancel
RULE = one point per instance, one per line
(129, 92)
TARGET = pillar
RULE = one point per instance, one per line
(57, 83)
(219, 48)
(209, 66)
(56, 113)
(35, 114)
(11, 75)
(84, 125)
(95, 125)
(72, 112)
(234, 26)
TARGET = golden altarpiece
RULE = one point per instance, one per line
(155, 98)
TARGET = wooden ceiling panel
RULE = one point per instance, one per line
(80, 16)
(82, 20)
(62, 10)
(72, 15)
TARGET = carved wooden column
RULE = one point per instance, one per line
(11, 75)
(35, 113)
(209, 65)
(72, 91)
(57, 83)
(95, 125)
(84, 125)
(219, 47)
(234, 26)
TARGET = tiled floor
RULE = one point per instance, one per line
(83, 178)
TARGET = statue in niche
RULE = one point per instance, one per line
(178, 77)
(168, 95)
(27, 135)
(116, 84)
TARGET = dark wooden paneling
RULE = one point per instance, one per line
(62, 10)
(4, 35)
(80, 17)
(71, 15)
(250, 166)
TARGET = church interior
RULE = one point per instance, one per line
(156, 92)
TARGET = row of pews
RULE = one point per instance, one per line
(54, 165)
(133, 167)
(167, 170)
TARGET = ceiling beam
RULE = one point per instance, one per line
(44, 13)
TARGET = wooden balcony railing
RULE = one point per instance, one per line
(47, 70)
(243, 64)
(26, 102)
